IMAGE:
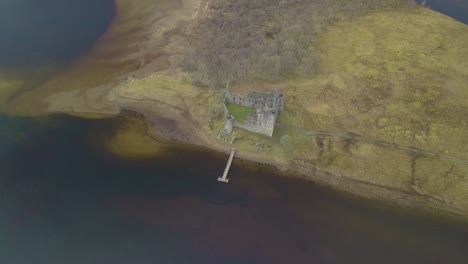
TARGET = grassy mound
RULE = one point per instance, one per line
(397, 77)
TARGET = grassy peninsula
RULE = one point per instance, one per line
(376, 97)
(388, 81)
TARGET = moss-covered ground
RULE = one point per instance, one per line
(239, 112)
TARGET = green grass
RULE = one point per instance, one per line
(239, 112)
(291, 118)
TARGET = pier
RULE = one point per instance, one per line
(228, 166)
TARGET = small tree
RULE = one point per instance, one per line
(215, 109)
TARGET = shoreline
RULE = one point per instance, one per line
(154, 87)
(393, 198)
(379, 196)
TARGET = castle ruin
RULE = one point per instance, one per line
(264, 111)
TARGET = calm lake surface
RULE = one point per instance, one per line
(63, 199)
(33, 33)
(457, 9)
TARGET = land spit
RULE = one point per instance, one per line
(418, 105)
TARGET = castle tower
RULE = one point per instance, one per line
(228, 90)
(229, 125)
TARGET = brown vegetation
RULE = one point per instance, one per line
(265, 39)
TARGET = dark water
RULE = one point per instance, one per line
(457, 9)
(65, 200)
(34, 32)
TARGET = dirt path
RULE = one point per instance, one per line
(386, 144)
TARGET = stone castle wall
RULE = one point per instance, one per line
(271, 101)
(262, 123)
(239, 100)
(265, 108)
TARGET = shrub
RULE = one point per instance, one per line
(265, 39)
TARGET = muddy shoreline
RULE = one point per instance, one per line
(394, 198)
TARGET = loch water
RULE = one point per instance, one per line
(34, 33)
(457, 9)
(65, 199)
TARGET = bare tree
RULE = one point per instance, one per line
(265, 39)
